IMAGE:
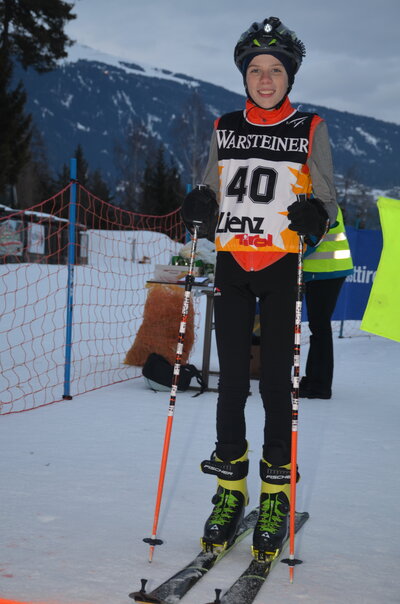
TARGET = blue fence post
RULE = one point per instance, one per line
(70, 286)
(187, 237)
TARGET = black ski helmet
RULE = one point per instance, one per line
(270, 36)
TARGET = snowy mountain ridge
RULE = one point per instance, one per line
(95, 99)
(81, 52)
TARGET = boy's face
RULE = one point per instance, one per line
(267, 80)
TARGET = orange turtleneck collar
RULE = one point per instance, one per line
(268, 117)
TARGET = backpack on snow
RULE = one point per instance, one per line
(158, 374)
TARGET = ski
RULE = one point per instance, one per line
(247, 586)
(174, 588)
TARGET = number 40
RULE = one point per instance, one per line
(261, 186)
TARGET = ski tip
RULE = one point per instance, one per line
(304, 515)
(142, 597)
(139, 595)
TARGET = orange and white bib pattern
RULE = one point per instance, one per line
(262, 168)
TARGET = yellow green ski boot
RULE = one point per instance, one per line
(273, 519)
(229, 501)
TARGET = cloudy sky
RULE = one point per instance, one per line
(353, 46)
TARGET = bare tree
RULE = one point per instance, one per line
(130, 158)
(192, 130)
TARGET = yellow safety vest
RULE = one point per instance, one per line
(333, 254)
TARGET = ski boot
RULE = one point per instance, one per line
(229, 501)
(272, 525)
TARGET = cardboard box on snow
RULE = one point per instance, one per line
(169, 273)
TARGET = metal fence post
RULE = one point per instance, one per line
(70, 284)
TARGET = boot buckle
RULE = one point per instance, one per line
(212, 548)
(264, 556)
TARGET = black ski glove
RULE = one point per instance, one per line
(308, 217)
(200, 206)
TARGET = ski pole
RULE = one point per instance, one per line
(153, 541)
(295, 408)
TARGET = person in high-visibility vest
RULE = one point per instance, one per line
(325, 269)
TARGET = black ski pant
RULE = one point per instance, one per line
(321, 296)
(236, 293)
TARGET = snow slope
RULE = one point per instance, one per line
(78, 482)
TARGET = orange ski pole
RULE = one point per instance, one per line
(153, 541)
(295, 410)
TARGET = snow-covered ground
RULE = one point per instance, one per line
(78, 482)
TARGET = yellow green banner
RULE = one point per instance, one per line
(382, 314)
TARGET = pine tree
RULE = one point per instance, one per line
(31, 33)
(154, 184)
(175, 189)
(161, 185)
(35, 182)
(91, 209)
(82, 166)
(91, 180)
(63, 177)
(99, 187)
(15, 127)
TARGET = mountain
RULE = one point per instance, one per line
(93, 99)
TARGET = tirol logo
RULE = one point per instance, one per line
(255, 240)
(236, 224)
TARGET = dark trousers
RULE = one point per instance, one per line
(321, 296)
(236, 293)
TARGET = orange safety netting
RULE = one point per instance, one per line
(114, 255)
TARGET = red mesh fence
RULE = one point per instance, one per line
(115, 253)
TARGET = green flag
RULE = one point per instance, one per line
(382, 315)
